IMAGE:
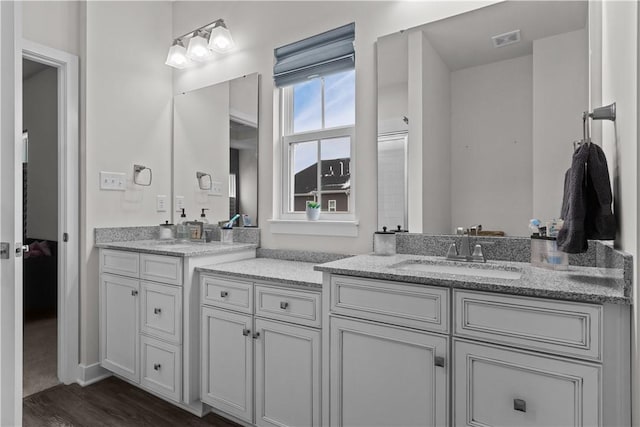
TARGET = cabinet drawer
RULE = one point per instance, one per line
(231, 294)
(562, 327)
(161, 367)
(120, 262)
(424, 307)
(289, 305)
(160, 268)
(498, 387)
(161, 310)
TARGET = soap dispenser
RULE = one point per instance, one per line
(203, 217)
(182, 231)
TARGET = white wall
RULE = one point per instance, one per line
(57, 24)
(436, 146)
(128, 120)
(40, 118)
(492, 110)
(620, 141)
(258, 28)
(560, 95)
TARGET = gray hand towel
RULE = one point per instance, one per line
(586, 207)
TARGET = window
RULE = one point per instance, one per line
(319, 118)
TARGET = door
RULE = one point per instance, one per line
(119, 325)
(10, 214)
(384, 375)
(227, 362)
(495, 386)
(287, 375)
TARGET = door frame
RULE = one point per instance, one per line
(68, 203)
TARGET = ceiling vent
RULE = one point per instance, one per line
(506, 38)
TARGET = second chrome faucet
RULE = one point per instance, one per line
(465, 253)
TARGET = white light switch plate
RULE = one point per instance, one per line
(161, 203)
(113, 181)
(216, 188)
(179, 203)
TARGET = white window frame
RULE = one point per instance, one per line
(287, 137)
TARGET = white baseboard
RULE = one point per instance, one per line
(89, 374)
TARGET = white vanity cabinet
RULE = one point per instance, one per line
(389, 353)
(141, 320)
(538, 362)
(261, 351)
(394, 349)
(150, 321)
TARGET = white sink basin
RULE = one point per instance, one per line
(475, 270)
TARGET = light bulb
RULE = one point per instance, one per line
(198, 49)
(177, 56)
(220, 39)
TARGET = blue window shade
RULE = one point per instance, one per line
(319, 55)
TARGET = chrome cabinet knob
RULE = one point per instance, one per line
(246, 332)
(157, 366)
(224, 294)
(256, 335)
(438, 361)
(134, 293)
(284, 305)
(157, 310)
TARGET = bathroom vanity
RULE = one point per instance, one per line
(149, 314)
(546, 348)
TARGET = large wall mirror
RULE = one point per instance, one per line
(477, 114)
(215, 151)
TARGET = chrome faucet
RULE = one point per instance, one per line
(466, 254)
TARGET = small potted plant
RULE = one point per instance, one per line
(313, 211)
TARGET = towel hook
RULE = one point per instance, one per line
(607, 112)
(137, 169)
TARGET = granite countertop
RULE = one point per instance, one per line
(174, 248)
(585, 284)
(294, 273)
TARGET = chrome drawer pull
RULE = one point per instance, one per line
(519, 405)
(157, 366)
(438, 361)
(284, 305)
(224, 294)
(157, 310)
(246, 332)
(134, 293)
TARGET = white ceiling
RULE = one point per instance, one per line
(464, 40)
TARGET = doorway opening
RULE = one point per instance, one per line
(40, 226)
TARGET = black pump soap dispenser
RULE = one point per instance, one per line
(203, 217)
(182, 231)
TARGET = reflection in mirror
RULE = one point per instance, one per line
(216, 141)
(489, 124)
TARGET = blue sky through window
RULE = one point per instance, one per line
(339, 110)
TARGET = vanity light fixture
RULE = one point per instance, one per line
(215, 36)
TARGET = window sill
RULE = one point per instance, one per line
(314, 228)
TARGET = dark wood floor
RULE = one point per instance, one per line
(111, 402)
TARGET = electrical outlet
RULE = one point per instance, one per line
(161, 203)
(216, 188)
(179, 203)
(113, 181)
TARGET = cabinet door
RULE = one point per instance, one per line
(227, 362)
(495, 386)
(387, 376)
(287, 375)
(119, 324)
